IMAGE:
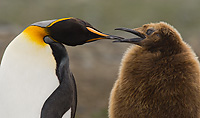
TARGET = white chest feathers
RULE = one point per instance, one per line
(27, 78)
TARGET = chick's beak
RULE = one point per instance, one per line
(101, 35)
(131, 40)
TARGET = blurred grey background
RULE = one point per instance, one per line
(95, 65)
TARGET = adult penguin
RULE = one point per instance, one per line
(158, 78)
(35, 79)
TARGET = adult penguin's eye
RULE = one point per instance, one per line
(150, 31)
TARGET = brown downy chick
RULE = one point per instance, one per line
(158, 78)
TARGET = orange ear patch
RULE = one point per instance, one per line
(35, 34)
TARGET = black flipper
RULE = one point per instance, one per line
(65, 95)
(74, 102)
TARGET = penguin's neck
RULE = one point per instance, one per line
(22, 54)
(62, 60)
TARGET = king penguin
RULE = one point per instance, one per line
(158, 78)
(35, 79)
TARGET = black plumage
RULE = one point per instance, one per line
(70, 32)
(65, 95)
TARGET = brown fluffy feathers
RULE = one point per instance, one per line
(157, 79)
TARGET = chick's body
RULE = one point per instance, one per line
(158, 79)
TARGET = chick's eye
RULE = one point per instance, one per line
(158, 35)
(149, 31)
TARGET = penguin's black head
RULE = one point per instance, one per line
(154, 36)
(72, 31)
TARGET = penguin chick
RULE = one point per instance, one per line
(35, 78)
(158, 78)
